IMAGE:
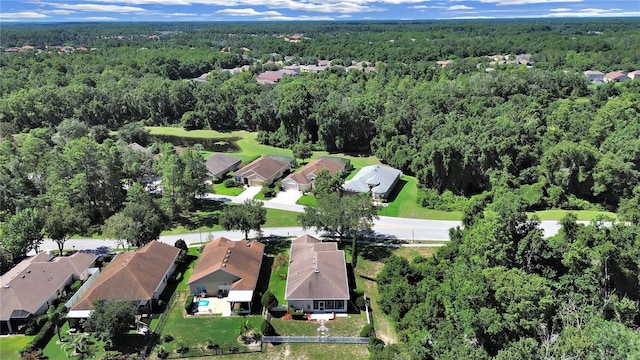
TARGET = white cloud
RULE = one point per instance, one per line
(343, 16)
(525, 2)
(23, 15)
(427, 7)
(59, 12)
(559, 9)
(594, 13)
(298, 18)
(96, 18)
(247, 12)
(95, 7)
(459, 7)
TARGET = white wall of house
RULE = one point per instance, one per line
(318, 306)
(219, 280)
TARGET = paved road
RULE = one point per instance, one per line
(384, 228)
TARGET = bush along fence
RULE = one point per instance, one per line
(184, 349)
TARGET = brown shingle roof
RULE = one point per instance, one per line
(131, 275)
(244, 260)
(32, 282)
(309, 171)
(263, 168)
(317, 270)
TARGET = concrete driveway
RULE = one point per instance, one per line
(287, 197)
(248, 193)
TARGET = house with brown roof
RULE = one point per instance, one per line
(138, 276)
(615, 76)
(34, 284)
(317, 277)
(634, 75)
(264, 171)
(219, 165)
(302, 180)
(230, 270)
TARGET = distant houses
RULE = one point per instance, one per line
(594, 76)
(302, 180)
(317, 277)
(379, 180)
(28, 289)
(218, 165)
(615, 76)
(264, 171)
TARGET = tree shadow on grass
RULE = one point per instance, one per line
(130, 344)
(375, 252)
(275, 245)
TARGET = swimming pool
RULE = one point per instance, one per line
(203, 302)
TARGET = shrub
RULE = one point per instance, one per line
(162, 352)
(368, 331)
(114, 355)
(211, 344)
(268, 192)
(269, 300)
(376, 344)
(188, 304)
(360, 302)
(167, 337)
(231, 183)
(75, 286)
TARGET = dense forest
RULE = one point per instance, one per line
(507, 138)
(500, 290)
(540, 128)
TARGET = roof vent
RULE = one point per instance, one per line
(229, 251)
(225, 260)
(224, 265)
(226, 256)
(7, 286)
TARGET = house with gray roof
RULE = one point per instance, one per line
(218, 165)
(594, 76)
(36, 283)
(379, 180)
(317, 277)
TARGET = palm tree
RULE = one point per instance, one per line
(246, 330)
(54, 316)
(77, 345)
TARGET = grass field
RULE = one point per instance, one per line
(220, 189)
(401, 203)
(10, 346)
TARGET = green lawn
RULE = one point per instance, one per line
(307, 200)
(10, 346)
(281, 218)
(53, 350)
(220, 189)
(278, 279)
(402, 203)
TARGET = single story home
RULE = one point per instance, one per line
(138, 276)
(218, 165)
(28, 289)
(634, 75)
(317, 277)
(228, 269)
(594, 76)
(615, 76)
(302, 180)
(264, 171)
(377, 179)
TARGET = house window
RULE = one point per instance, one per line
(201, 289)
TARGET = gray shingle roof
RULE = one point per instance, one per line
(376, 178)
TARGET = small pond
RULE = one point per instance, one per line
(227, 144)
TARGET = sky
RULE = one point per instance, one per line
(312, 10)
